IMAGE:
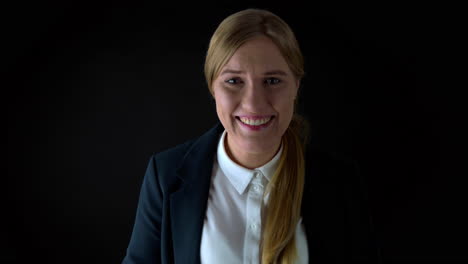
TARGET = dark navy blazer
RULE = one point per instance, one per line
(174, 194)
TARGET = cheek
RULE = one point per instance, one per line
(284, 103)
(287, 111)
(224, 104)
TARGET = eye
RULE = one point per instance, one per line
(232, 81)
(273, 80)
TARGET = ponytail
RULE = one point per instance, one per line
(285, 197)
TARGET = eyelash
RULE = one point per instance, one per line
(276, 79)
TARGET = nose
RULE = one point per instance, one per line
(255, 98)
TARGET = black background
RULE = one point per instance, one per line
(91, 90)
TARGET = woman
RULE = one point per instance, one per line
(245, 191)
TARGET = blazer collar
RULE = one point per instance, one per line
(200, 154)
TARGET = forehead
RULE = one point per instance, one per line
(258, 55)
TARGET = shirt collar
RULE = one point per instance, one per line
(239, 176)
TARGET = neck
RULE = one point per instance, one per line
(250, 160)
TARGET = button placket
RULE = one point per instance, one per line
(253, 216)
(256, 188)
(257, 184)
(254, 226)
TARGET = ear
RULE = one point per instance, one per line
(298, 84)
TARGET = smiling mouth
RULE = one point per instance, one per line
(257, 122)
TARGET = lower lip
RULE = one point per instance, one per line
(256, 128)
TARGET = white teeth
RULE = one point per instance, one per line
(256, 122)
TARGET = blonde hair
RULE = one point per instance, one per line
(286, 186)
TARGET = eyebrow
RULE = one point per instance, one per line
(274, 72)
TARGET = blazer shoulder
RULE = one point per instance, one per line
(162, 165)
(171, 157)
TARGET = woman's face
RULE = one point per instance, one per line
(254, 96)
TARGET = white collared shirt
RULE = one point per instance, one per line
(235, 210)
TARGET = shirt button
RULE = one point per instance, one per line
(254, 226)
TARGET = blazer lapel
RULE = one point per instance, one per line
(188, 203)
